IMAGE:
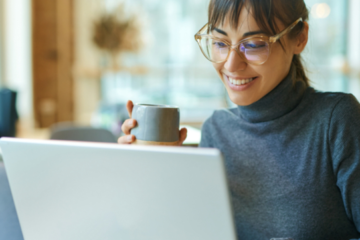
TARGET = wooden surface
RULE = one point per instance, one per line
(65, 45)
(52, 61)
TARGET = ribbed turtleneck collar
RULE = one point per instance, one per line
(278, 102)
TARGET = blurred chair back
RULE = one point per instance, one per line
(81, 133)
(9, 222)
(8, 113)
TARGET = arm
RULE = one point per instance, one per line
(344, 142)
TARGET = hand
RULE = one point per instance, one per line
(131, 123)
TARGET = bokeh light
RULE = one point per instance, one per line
(320, 10)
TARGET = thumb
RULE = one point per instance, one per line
(129, 107)
(182, 135)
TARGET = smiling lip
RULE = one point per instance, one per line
(241, 87)
(238, 78)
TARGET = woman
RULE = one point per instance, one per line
(292, 153)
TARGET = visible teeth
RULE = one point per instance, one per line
(240, 82)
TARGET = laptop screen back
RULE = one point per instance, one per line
(74, 191)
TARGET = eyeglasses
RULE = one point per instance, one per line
(255, 49)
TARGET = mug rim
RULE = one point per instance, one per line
(156, 105)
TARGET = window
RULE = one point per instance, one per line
(325, 54)
(179, 75)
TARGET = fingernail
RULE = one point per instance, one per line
(129, 138)
(131, 123)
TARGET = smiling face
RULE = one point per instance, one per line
(247, 83)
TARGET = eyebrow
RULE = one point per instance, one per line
(252, 33)
(245, 34)
(220, 31)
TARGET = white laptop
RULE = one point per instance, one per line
(86, 191)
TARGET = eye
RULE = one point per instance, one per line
(219, 44)
(254, 44)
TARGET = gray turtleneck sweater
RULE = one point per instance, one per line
(293, 163)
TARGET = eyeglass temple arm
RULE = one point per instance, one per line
(276, 37)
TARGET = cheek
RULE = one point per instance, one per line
(284, 56)
(278, 64)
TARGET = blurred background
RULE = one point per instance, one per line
(79, 61)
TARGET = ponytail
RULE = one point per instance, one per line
(300, 70)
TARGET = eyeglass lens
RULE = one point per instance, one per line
(255, 50)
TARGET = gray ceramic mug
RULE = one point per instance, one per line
(156, 124)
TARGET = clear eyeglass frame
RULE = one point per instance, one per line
(270, 40)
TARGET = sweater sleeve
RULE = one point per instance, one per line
(344, 142)
(206, 134)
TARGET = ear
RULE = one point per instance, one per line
(302, 39)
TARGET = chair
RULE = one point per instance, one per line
(9, 222)
(8, 113)
(68, 131)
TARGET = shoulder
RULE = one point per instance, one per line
(345, 111)
(342, 120)
(329, 103)
(336, 102)
(328, 98)
(347, 104)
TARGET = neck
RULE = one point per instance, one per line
(278, 102)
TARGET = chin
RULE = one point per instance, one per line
(241, 101)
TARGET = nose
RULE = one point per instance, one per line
(235, 62)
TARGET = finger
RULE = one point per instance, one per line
(183, 135)
(129, 107)
(128, 125)
(128, 139)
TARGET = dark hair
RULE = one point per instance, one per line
(265, 12)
